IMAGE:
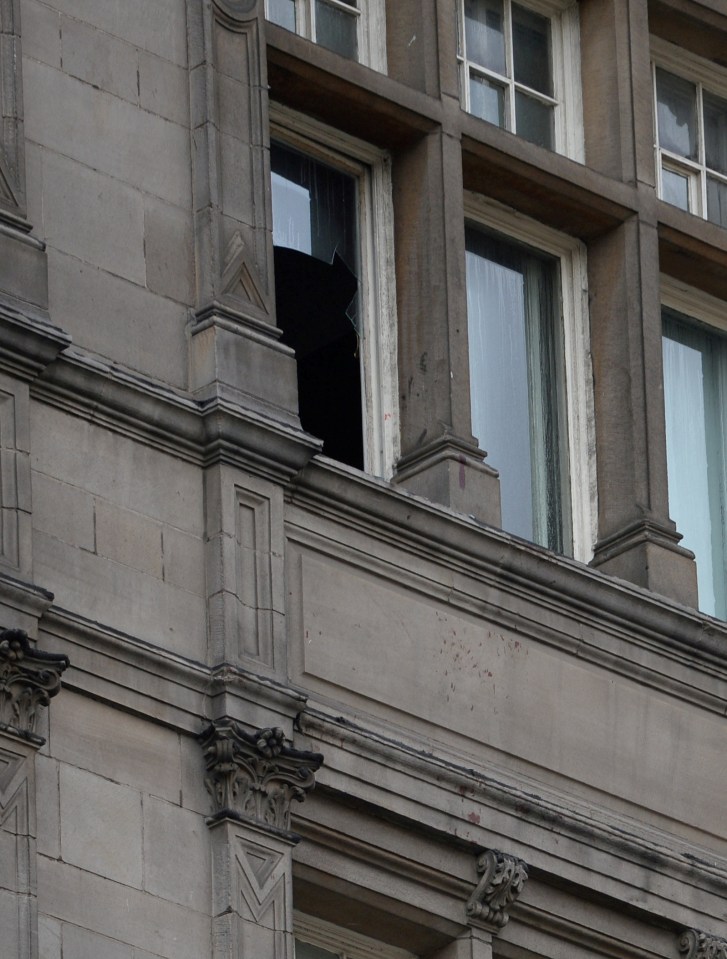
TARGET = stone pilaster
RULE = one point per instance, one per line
(29, 679)
(253, 779)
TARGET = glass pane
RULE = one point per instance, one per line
(314, 207)
(715, 132)
(487, 100)
(485, 34)
(515, 368)
(675, 188)
(717, 201)
(694, 365)
(534, 120)
(531, 50)
(282, 12)
(336, 30)
(676, 114)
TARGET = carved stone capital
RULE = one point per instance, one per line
(700, 945)
(29, 678)
(503, 878)
(255, 777)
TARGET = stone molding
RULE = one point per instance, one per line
(254, 777)
(695, 944)
(503, 878)
(12, 156)
(29, 678)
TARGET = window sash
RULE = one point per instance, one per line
(695, 393)
(517, 383)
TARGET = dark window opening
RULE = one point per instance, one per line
(315, 234)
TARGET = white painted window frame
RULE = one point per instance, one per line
(370, 18)
(343, 942)
(379, 372)
(706, 75)
(571, 254)
(566, 60)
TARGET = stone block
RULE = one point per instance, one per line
(129, 538)
(107, 133)
(63, 511)
(135, 320)
(164, 88)
(93, 217)
(176, 855)
(168, 247)
(34, 186)
(184, 560)
(23, 269)
(159, 27)
(83, 944)
(121, 747)
(122, 597)
(48, 806)
(146, 922)
(98, 58)
(101, 827)
(41, 33)
(49, 938)
(117, 468)
(194, 793)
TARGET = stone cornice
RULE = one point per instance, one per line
(502, 878)
(29, 678)
(254, 777)
(694, 944)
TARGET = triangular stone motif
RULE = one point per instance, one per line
(237, 276)
(9, 766)
(6, 193)
(257, 865)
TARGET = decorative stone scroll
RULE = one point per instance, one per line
(255, 777)
(700, 945)
(29, 678)
(503, 878)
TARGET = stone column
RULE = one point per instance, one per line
(636, 538)
(29, 679)
(235, 350)
(253, 778)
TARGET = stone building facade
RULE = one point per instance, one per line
(289, 663)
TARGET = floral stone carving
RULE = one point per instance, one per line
(503, 878)
(700, 945)
(29, 678)
(255, 776)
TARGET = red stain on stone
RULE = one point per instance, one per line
(474, 817)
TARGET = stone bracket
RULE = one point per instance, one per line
(29, 678)
(502, 880)
(694, 944)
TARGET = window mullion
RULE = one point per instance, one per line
(702, 152)
(509, 67)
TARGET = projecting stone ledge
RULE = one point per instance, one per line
(254, 777)
(29, 678)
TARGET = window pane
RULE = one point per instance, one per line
(485, 34)
(282, 12)
(694, 364)
(336, 30)
(487, 100)
(531, 50)
(715, 132)
(534, 120)
(675, 188)
(717, 201)
(304, 950)
(515, 368)
(676, 113)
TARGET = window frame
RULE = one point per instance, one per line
(344, 942)
(702, 310)
(566, 68)
(578, 396)
(378, 343)
(371, 27)
(706, 76)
